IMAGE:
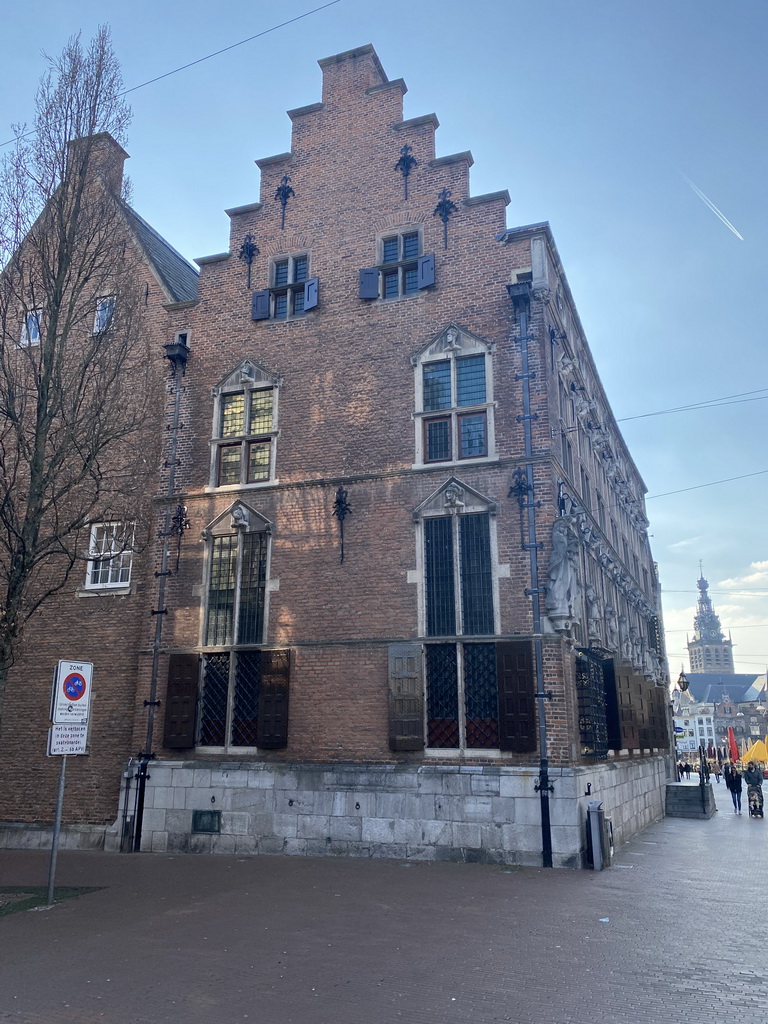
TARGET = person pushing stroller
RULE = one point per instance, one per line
(754, 780)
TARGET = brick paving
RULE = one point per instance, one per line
(328, 941)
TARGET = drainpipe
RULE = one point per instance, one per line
(177, 353)
(523, 489)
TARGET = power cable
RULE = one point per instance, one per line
(200, 60)
(710, 403)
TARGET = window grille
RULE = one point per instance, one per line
(593, 705)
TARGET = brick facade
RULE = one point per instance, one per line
(347, 374)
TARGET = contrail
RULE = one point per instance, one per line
(713, 208)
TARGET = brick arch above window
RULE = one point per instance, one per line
(286, 246)
(399, 220)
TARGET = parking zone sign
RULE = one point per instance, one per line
(72, 693)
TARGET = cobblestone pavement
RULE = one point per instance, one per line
(675, 931)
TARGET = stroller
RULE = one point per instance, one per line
(755, 801)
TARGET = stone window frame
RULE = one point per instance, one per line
(237, 522)
(453, 344)
(246, 379)
(455, 498)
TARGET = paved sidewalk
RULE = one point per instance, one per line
(279, 940)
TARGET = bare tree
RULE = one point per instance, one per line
(75, 371)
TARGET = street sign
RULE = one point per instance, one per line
(71, 693)
(67, 739)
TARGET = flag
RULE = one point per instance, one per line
(732, 745)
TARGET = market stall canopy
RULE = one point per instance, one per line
(757, 752)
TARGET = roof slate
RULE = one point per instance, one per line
(710, 686)
(177, 275)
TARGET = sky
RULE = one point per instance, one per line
(621, 123)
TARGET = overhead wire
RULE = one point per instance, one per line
(208, 56)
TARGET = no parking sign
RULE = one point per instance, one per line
(72, 693)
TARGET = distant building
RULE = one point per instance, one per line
(709, 651)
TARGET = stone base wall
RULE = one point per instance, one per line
(34, 836)
(470, 813)
(466, 813)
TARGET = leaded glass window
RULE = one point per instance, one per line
(453, 387)
(246, 423)
(235, 621)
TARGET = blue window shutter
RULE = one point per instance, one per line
(310, 293)
(426, 270)
(369, 283)
(260, 306)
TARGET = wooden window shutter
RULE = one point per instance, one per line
(272, 725)
(311, 288)
(181, 701)
(517, 701)
(369, 283)
(426, 270)
(406, 697)
(260, 306)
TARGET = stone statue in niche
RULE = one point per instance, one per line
(626, 644)
(611, 629)
(562, 590)
(637, 649)
(594, 613)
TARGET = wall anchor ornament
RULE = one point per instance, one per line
(283, 194)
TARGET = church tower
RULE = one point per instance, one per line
(709, 651)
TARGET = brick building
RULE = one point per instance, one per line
(405, 586)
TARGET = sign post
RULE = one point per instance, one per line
(70, 707)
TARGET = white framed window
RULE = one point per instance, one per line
(244, 428)
(105, 312)
(30, 328)
(110, 556)
(454, 400)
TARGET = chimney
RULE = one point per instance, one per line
(100, 157)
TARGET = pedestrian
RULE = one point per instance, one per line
(754, 780)
(718, 772)
(688, 769)
(733, 782)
